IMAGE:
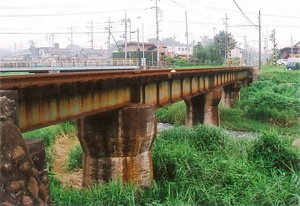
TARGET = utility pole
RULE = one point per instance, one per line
(157, 34)
(92, 33)
(71, 38)
(187, 36)
(291, 46)
(139, 53)
(259, 39)
(144, 60)
(129, 22)
(226, 36)
(109, 33)
(52, 37)
(229, 50)
(125, 34)
(245, 50)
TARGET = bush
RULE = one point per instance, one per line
(75, 158)
(208, 138)
(273, 151)
(172, 114)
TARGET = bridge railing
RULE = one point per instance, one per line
(68, 63)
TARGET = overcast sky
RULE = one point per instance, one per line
(24, 20)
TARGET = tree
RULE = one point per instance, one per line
(220, 42)
(206, 41)
(201, 53)
(213, 50)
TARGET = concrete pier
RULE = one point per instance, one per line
(117, 145)
(203, 109)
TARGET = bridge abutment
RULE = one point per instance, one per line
(23, 168)
(203, 109)
(117, 145)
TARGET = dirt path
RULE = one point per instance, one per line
(62, 147)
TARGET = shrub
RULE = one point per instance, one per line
(172, 114)
(274, 108)
(208, 138)
(274, 151)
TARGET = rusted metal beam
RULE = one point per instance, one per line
(46, 99)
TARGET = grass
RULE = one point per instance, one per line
(204, 166)
(50, 134)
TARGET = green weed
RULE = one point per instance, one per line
(201, 166)
(173, 114)
(75, 158)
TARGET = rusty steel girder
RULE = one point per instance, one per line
(45, 99)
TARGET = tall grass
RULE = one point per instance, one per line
(173, 114)
(75, 158)
(204, 166)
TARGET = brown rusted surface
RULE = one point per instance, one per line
(21, 81)
(46, 99)
(176, 90)
(186, 87)
(230, 93)
(164, 93)
(151, 94)
(117, 144)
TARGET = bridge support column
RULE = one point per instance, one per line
(231, 93)
(203, 109)
(117, 145)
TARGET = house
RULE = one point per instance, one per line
(54, 52)
(84, 53)
(179, 51)
(133, 46)
(70, 53)
(287, 52)
(149, 53)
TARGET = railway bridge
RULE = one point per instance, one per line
(115, 110)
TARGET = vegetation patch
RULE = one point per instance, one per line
(204, 166)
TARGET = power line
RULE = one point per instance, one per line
(244, 15)
(182, 22)
(175, 2)
(64, 14)
(45, 33)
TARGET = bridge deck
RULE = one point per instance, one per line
(45, 99)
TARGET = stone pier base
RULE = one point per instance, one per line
(117, 145)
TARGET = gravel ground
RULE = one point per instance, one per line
(236, 134)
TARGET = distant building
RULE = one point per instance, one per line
(91, 54)
(179, 51)
(287, 52)
(133, 46)
(69, 53)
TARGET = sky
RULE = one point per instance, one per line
(37, 20)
